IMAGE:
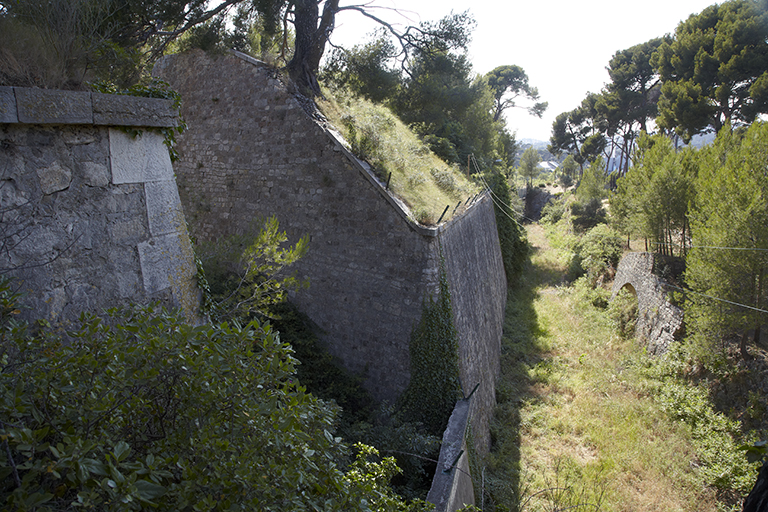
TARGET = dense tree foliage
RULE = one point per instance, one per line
(729, 229)
(430, 85)
(509, 83)
(529, 165)
(568, 170)
(711, 72)
(579, 132)
(651, 200)
(514, 245)
(715, 70)
(629, 100)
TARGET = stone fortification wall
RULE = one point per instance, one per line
(251, 151)
(470, 246)
(90, 216)
(659, 322)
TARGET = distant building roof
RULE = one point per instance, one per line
(548, 166)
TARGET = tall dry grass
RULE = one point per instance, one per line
(424, 183)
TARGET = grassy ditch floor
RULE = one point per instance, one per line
(586, 421)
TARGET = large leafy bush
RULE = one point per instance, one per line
(139, 410)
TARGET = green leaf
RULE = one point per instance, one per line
(37, 499)
(121, 451)
(149, 490)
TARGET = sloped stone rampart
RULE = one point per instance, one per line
(251, 151)
(659, 322)
(90, 216)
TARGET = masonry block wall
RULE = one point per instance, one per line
(659, 322)
(251, 150)
(90, 216)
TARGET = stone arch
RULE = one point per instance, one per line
(659, 322)
(628, 286)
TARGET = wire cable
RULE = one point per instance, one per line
(715, 298)
(499, 202)
(711, 247)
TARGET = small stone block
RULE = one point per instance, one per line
(164, 209)
(8, 106)
(43, 106)
(138, 159)
(118, 110)
(164, 263)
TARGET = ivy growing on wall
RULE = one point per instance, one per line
(435, 385)
(514, 246)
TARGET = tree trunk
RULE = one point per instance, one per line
(743, 345)
(312, 33)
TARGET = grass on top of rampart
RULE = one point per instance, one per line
(424, 182)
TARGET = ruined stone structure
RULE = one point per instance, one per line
(252, 150)
(659, 322)
(90, 215)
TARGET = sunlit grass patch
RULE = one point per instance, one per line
(581, 406)
(425, 183)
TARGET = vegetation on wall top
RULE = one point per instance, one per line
(399, 159)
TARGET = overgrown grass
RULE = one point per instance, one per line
(586, 419)
(425, 183)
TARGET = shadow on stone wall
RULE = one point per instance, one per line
(90, 215)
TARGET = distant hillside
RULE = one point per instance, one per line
(536, 143)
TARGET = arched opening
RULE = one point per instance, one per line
(624, 310)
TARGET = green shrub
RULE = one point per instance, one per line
(554, 210)
(720, 441)
(587, 214)
(248, 274)
(624, 313)
(600, 250)
(138, 410)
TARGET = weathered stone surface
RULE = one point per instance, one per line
(95, 174)
(452, 486)
(54, 178)
(8, 106)
(139, 159)
(659, 322)
(164, 208)
(80, 234)
(252, 151)
(159, 258)
(118, 110)
(45, 106)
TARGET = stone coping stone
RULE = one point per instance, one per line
(119, 110)
(47, 106)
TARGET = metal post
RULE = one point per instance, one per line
(443, 215)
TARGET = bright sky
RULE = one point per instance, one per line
(563, 45)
